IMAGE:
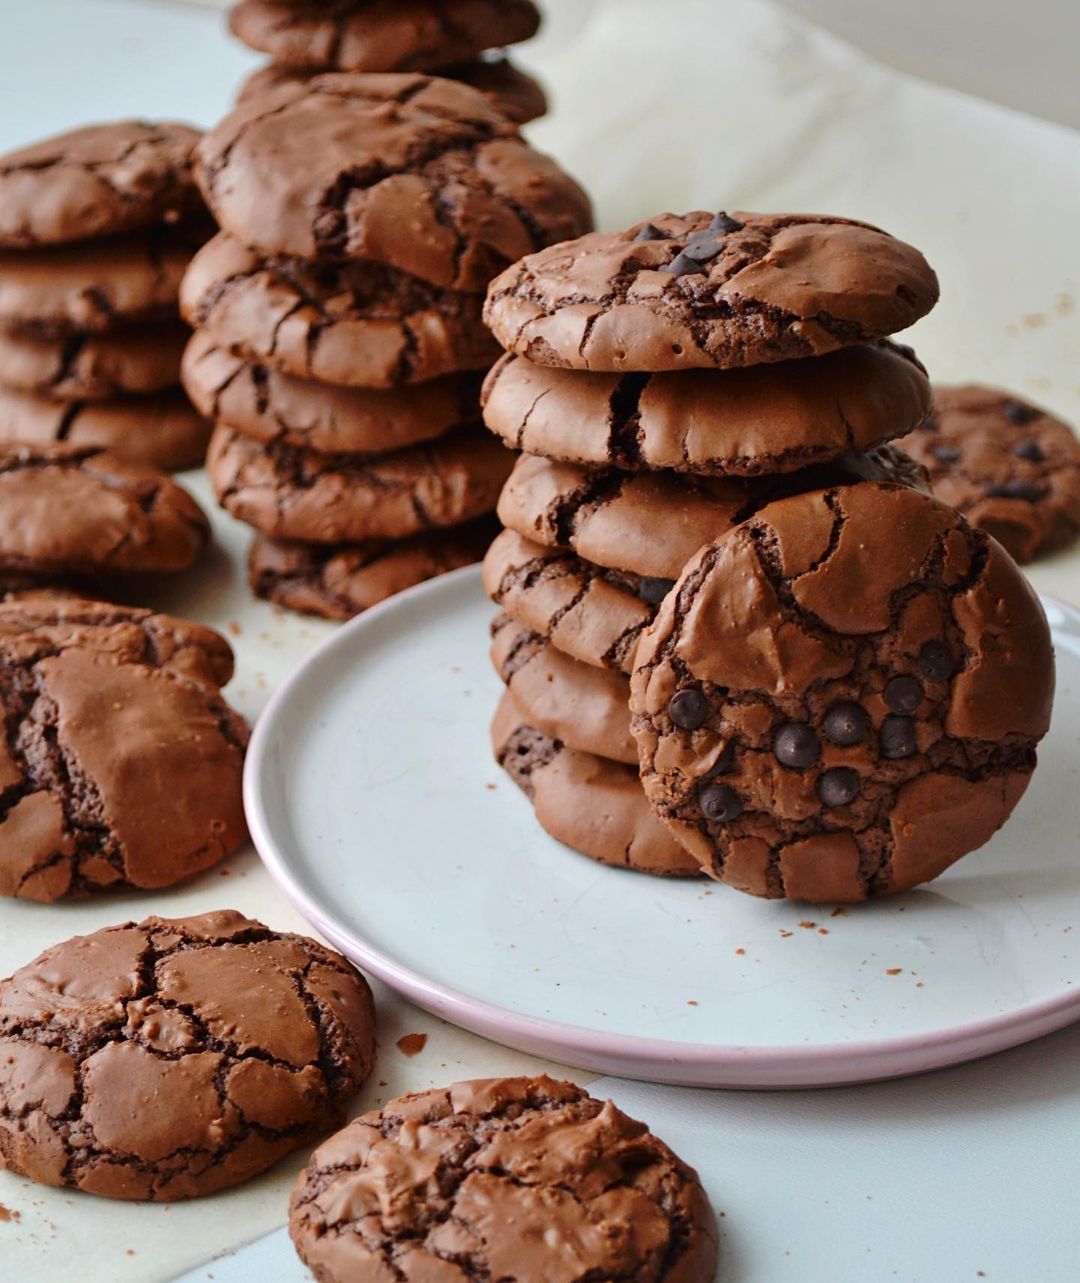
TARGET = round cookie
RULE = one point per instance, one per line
(842, 695)
(96, 181)
(68, 509)
(93, 367)
(581, 706)
(759, 420)
(421, 174)
(97, 287)
(176, 1057)
(1012, 469)
(338, 581)
(509, 1179)
(589, 612)
(762, 288)
(382, 35)
(268, 405)
(121, 762)
(354, 324)
(297, 494)
(163, 431)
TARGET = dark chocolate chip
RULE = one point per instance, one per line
(1025, 490)
(723, 763)
(725, 223)
(1030, 450)
(903, 694)
(653, 591)
(898, 738)
(688, 708)
(847, 723)
(945, 453)
(681, 265)
(720, 804)
(936, 661)
(1017, 412)
(705, 246)
(796, 745)
(839, 786)
(650, 232)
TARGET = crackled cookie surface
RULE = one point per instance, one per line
(421, 174)
(842, 695)
(176, 1057)
(93, 367)
(701, 290)
(516, 1179)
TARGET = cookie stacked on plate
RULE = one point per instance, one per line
(458, 39)
(726, 380)
(96, 229)
(340, 331)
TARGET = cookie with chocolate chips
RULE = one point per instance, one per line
(1011, 468)
(354, 324)
(96, 181)
(842, 696)
(93, 367)
(760, 420)
(121, 764)
(421, 174)
(511, 1178)
(709, 291)
(176, 1057)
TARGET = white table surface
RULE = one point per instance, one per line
(674, 106)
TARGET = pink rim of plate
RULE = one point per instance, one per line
(626, 1055)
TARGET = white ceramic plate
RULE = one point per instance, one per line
(374, 801)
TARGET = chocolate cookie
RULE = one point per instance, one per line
(96, 287)
(509, 1179)
(704, 291)
(765, 419)
(177, 1057)
(268, 405)
(842, 695)
(93, 367)
(581, 706)
(421, 174)
(592, 613)
(163, 431)
(121, 763)
(356, 324)
(68, 509)
(96, 181)
(338, 581)
(297, 494)
(382, 35)
(1012, 469)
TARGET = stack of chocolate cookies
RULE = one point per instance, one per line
(457, 39)
(340, 330)
(96, 229)
(804, 688)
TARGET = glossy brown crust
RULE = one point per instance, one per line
(339, 581)
(509, 1179)
(382, 35)
(870, 595)
(269, 405)
(297, 494)
(354, 324)
(121, 763)
(75, 509)
(247, 1043)
(783, 286)
(162, 431)
(93, 367)
(761, 420)
(419, 173)
(1011, 468)
(96, 181)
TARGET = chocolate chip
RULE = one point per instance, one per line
(725, 223)
(796, 745)
(1017, 412)
(898, 738)
(688, 708)
(903, 694)
(936, 661)
(681, 265)
(653, 591)
(720, 804)
(839, 786)
(945, 453)
(1025, 490)
(705, 246)
(1030, 450)
(847, 723)
(650, 232)
(723, 763)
